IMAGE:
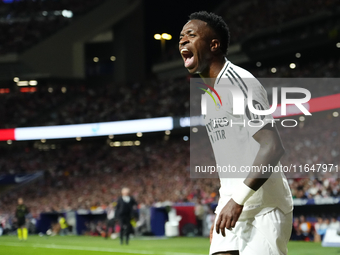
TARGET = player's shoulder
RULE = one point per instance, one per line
(238, 71)
(240, 76)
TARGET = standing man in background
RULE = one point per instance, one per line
(20, 215)
(110, 212)
(125, 206)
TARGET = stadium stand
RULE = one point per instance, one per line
(24, 23)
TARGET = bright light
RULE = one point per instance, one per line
(95, 59)
(157, 36)
(50, 90)
(292, 65)
(111, 136)
(185, 138)
(9, 141)
(22, 83)
(258, 64)
(44, 13)
(298, 55)
(63, 89)
(335, 114)
(16, 79)
(112, 144)
(113, 58)
(167, 132)
(195, 129)
(139, 134)
(33, 83)
(166, 36)
(43, 140)
(67, 14)
(302, 118)
(78, 139)
(116, 144)
(137, 143)
(338, 45)
(94, 129)
(127, 143)
(273, 70)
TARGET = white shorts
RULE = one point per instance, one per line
(265, 234)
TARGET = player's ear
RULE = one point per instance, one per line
(215, 45)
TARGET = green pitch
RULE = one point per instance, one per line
(85, 245)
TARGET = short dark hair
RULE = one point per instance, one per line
(217, 24)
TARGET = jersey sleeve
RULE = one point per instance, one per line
(259, 101)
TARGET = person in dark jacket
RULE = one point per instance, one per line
(126, 204)
(20, 214)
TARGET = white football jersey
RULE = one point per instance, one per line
(231, 137)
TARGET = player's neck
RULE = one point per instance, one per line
(210, 74)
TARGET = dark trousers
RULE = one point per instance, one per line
(125, 229)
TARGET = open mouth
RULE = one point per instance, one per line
(188, 57)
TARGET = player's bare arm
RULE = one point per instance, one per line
(270, 152)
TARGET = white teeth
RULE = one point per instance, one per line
(183, 50)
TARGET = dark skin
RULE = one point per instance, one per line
(198, 40)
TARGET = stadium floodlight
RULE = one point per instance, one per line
(67, 14)
(292, 65)
(166, 36)
(22, 83)
(16, 79)
(33, 83)
(157, 36)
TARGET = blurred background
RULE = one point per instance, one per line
(103, 62)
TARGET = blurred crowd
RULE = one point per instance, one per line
(24, 23)
(87, 176)
(313, 228)
(58, 104)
